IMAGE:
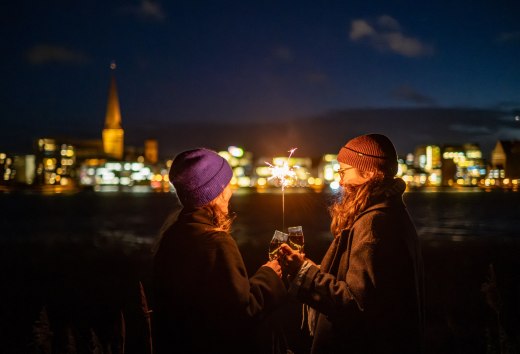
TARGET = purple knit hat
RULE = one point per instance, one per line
(371, 152)
(199, 176)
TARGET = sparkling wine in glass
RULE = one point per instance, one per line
(279, 237)
(295, 238)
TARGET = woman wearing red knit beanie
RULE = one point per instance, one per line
(366, 296)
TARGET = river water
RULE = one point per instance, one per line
(79, 259)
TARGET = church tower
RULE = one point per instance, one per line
(113, 134)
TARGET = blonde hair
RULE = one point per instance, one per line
(353, 200)
(222, 221)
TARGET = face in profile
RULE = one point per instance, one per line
(351, 176)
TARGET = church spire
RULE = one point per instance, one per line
(113, 113)
(113, 134)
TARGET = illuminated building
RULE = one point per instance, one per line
(151, 151)
(16, 170)
(328, 167)
(117, 165)
(24, 165)
(505, 165)
(462, 165)
(505, 158)
(7, 170)
(423, 167)
(160, 181)
(427, 157)
(241, 163)
(55, 163)
(87, 149)
(113, 134)
(115, 174)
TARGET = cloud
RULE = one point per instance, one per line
(360, 29)
(147, 9)
(507, 105)
(389, 23)
(511, 119)
(509, 37)
(47, 53)
(508, 134)
(408, 94)
(470, 129)
(386, 35)
(504, 127)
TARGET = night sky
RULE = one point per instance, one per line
(228, 71)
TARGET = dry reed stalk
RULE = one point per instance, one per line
(71, 346)
(122, 338)
(95, 343)
(498, 339)
(147, 317)
(42, 332)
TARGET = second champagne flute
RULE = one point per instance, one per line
(295, 238)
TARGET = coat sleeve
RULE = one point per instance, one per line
(344, 296)
(247, 297)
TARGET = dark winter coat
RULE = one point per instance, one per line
(204, 301)
(368, 293)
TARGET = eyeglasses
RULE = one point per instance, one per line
(342, 171)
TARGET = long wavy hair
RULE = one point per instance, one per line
(354, 199)
(222, 221)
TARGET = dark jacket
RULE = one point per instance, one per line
(204, 301)
(368, 291)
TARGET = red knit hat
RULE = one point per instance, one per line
(371, 152)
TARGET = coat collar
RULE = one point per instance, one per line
(202, 215)
(391, 196)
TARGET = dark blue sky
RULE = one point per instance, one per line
(253, 61)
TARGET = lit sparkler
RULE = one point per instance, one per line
(285, 175)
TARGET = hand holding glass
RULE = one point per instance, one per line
(279, 237)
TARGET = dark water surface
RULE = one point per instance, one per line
(81, 258)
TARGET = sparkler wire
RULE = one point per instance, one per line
(284, 174)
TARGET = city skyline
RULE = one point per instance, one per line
(134, 150)
(226, 66)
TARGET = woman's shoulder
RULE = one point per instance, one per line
(374, 222)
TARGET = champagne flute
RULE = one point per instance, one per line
(279, 237)
(295, 238)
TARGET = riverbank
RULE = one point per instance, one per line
(82, 257)
(471, 298)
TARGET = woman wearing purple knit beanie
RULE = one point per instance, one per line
(204, 301)
(367, 294)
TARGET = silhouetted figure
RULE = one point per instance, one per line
(204, 300)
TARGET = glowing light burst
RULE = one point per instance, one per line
(285, 175)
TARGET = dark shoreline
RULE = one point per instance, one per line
(459, 318)
(86, 283)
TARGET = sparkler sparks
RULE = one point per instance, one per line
(285, 175)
